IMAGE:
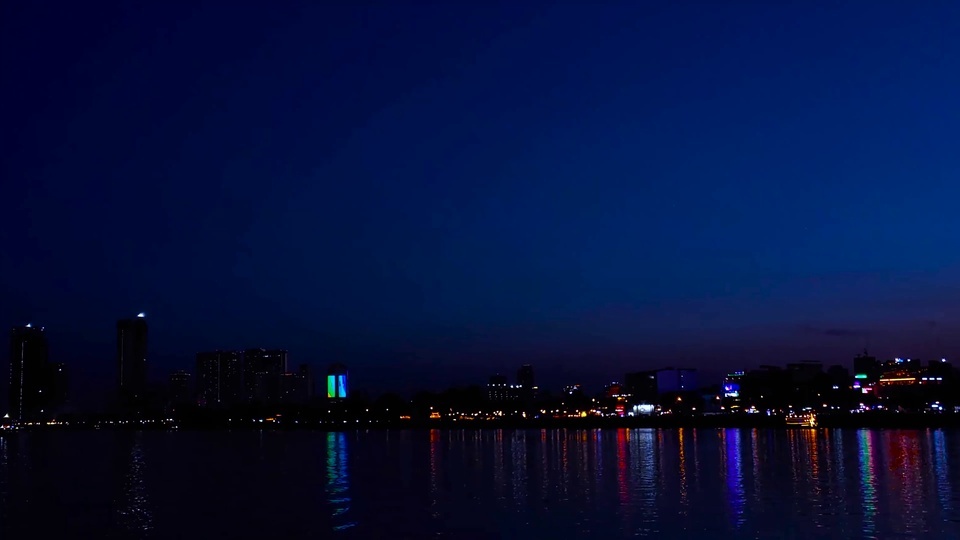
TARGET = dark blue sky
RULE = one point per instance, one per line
(430, 193)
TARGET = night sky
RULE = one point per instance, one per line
(433, 193)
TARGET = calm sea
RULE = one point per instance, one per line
(731, 483)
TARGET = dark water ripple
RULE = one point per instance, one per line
(685, 483)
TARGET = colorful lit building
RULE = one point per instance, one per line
(732, 398)
(337, 382)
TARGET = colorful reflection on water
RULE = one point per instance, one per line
(622, 483)
(338, 481)
(868, 482)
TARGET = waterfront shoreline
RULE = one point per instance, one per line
(859, 421)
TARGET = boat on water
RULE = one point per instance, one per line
(802, 420)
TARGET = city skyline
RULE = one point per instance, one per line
(247, 388)
(228, 377)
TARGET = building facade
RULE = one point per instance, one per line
(132, 361)
(29, 373)
(297, 387)
(219, 379)
(263, 371)
(337, 381)
(498, 390)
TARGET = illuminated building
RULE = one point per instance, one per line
(643, 409)
(731, 389)
(29, 372)
(179, 388)
(866, 369)
(573, 389)
(498, 390)
(906, 372)
(132, 361)
(901, 372)
(337, 382)
(262, 372)
(219, 378)
(613, 390)
(898, 379)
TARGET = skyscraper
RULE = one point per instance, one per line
(29, 373)
(219, 378)
(262, 372)
(132, 361)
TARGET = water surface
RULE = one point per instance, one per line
(725, 483)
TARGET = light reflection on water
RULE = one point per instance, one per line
(134, 513)
(646, 487)
(4, 473)
(338, 481)
(734, 475)
(944, 491)
(682, 455)
(868, 482)
(620, 483)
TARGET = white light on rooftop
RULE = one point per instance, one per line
(141, 315)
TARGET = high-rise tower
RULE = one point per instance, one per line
(29, 373)
(132, 361)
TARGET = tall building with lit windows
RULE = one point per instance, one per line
(263, 371)
(219, 378)
(29, 373)
(498, 390)
(132, 361)
(337, 382)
